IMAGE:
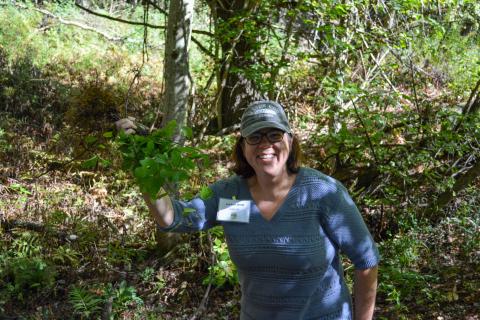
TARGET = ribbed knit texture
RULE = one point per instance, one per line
(289, 267)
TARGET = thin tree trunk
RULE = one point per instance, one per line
(178, 81)
(178, 84)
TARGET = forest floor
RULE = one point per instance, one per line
(93, 227)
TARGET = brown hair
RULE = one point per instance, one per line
(242, 168)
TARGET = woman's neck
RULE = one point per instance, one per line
(272, 186)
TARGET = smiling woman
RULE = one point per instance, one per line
(285, 227)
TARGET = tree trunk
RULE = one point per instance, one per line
(235, 89)
(178, 82)
(177, 74)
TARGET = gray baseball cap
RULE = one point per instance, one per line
(263, 114)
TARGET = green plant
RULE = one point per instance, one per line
(399, 278)
(223, 271)
(65, 255)
(19, 189)
(147, 274)
(85, 303)
(156, 160)
(151, 277)
(26, 274)
(5, 146)
(26, 245)
(124, 296)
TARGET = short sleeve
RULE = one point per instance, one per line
(200, 214)
(347, 229)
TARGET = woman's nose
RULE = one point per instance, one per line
(264, 142)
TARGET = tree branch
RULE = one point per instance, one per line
(137, 23)
(8, 225)
(468, 107)
(366, 133)
(72, 23)
(443, 199)
(203, 49)
(153, 4)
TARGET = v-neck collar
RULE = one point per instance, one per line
(279, 209)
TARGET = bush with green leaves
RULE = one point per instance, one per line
(157, 160)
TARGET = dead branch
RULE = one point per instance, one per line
(472, 104)
(146, 24)
(443, 199)
(72, 23)
(136, 23)
(366, 133)
(203, 303)
(8, 225)
(203, 49)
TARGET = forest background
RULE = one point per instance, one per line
(384, 96)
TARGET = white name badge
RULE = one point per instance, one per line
(233, 210)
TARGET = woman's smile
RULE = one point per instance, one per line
(267, 157)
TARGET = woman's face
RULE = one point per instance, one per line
(269, 156)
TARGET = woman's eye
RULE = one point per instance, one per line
(255, 137)
(275, 135)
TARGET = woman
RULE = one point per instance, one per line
(285, 227)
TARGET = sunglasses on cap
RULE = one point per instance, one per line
(271, 135)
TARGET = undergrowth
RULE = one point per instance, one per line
(77, 239)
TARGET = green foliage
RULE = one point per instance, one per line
(124, 296)
(4, 144)
(86, 304)
(65, 255)
(206, 193)
(24, 270)
(27, 244)
(18, 188)
(156, 160)
(29, 274)
(150, 277)
(408, 66)
(223, 271)
(399, 279)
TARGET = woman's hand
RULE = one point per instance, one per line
(129, 126)
(126, 125)
(365, 292)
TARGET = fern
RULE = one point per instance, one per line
(84, 303)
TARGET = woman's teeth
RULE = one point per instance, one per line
(266, 156)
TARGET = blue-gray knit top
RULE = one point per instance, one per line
(289, 267)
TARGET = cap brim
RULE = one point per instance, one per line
(262, 125)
